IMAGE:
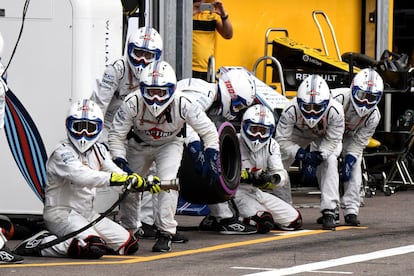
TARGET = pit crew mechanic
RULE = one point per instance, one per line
(362, 117)
(122, 76)
(313, 119)
(262, 171)
(157, 114)
(76, 167)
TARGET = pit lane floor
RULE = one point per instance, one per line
(383, 245)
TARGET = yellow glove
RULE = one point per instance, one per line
(135, 180)
(155, 187)
(267, 186)
(246, 176)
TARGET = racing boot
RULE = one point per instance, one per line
(328, 220)
(163, 243)
(337, 220)
(352, 220)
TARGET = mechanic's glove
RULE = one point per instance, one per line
(198, 156)
(269, 182)
(314, 158)
(155, 187)
(308, 172)
(247, 176)
(211, 165)
(123, 164)
(349, 162)
(133, 181)
(301, 154)
(265, 181)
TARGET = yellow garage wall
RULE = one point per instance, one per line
(251, 19)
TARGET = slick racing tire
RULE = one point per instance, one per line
(201, 190)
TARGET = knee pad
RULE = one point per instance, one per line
(263, 221)
(131, 246)
(7, 227)
(93, 247)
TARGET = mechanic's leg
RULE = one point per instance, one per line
(168, 160)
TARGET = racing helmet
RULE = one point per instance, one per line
(144, 47)
(313, 98)
(158, 82)
(84, 123)
(237, 91)
(257, 126)
(367, 88)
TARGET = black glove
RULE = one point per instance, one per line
(211, 165)
(309, 172)
(349, 162)
(313, 158)
(123, 164)
(198, 156)
(301, 154)
(260, 178)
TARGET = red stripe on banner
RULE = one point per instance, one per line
(24, 146)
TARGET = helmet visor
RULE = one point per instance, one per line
(237, 105)
(140, 55)
(256, 131)
(156, 94)
(312, 107)
(364, 98)
(80, 128)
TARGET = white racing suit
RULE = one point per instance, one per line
(117, 82)
(157, 139)
(205, 95)
(358, 131)
(69, 194)
(251, 200)
(293, 133)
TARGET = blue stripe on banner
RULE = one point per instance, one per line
(26, 144)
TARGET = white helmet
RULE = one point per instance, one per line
(158, 82)
(257, 126)
(144, 47)
(237, 91)
(313, 99)
(367, 88)
(84, 123)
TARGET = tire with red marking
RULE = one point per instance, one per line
(202, 190)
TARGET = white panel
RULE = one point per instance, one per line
(56, 61)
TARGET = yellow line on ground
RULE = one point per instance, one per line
(278, 235)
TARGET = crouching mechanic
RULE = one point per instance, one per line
(234, 92)
(157, 114)
(262, 171)
(361, 119)
(313, 119)
(75, 169)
